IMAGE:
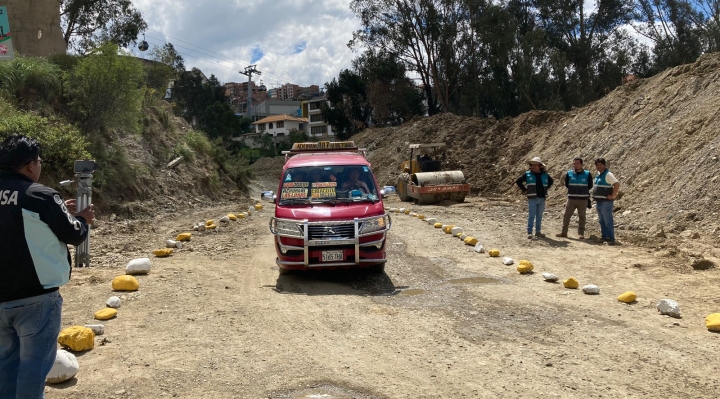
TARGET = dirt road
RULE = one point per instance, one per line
(215, 320)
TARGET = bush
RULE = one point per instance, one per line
(25, 80)
(233, 164)
(198, 142)
(62, 144)
(104, 91)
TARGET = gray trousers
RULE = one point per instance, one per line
(581, 206)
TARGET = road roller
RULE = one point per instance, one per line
(423, 181)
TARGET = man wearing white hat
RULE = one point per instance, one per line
(535, 184)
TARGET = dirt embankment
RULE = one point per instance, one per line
(148, 186)
(659, 135)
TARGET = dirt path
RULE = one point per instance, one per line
(216, 320)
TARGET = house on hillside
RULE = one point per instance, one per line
(280, 125)
(277, 126)
(317, 126)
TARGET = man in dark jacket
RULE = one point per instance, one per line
(36, 228)
(535, 184)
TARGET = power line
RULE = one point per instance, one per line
(198, 58)
(220, 56)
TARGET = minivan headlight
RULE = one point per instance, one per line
(375, 224)
(288, 228)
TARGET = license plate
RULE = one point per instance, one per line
(332, 256)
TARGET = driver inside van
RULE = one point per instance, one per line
(353, 182)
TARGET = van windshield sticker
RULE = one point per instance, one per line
(323, 190)
(296, 189)
(365, 168)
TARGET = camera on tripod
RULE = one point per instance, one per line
(84, 170)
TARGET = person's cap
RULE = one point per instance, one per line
(536, 161)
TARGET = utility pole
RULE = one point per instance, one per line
(249, 71)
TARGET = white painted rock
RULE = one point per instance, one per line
(178, 244)
(138, 266)
(65, 367)
(455, 230)
(170, 243)
(591, 289)
(225, 219)
(98, 329)
(401, 210)
(550, 277)
(507, 261)
(201, 227)
(431, 220)
(413, 214)
(669, 307)
(113, 302)
(250, 210)
(392, 210)
(195, 228)
(479, 248)
(463, 236)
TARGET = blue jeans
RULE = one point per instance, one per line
(536, 208)
(607, 224)
(29, 331)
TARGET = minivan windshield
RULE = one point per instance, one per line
(327, 184)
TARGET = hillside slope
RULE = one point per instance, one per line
(659, 135)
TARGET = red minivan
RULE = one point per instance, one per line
(329, 211)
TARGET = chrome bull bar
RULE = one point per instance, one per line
(305, 224)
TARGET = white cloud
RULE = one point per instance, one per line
(225, 32)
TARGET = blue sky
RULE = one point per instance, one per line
(297, 41)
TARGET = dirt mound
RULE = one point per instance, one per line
(659, 135)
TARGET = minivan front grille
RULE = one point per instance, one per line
(332, 232)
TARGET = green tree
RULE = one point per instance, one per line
(582, 37)
(204, 104)
(88, 23)
(349, 111)
(168, 56)
(393, 97)
(104, 91)
(674, 26)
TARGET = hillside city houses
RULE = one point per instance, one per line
(280, 110)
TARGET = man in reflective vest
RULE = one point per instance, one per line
(538, 182)
(606, 190)
(578, 182)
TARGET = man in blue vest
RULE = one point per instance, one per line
(606, 190)
(578, 182)
(535, 184)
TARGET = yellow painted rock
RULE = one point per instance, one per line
(524, 267)
(459, 234)
(209, 222)
(627, 297)
(712, 322)
(183, 237)
(448, 228)
(470, 241)
(241, 215)
(258, 207)
(125, 283)
(407, 211)
(571, 283)
(494, 253)
(163, 252)
(232, 217)
(438, 225)
(211, 226)
(421, 217)
(105, 314)
(77, 338)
